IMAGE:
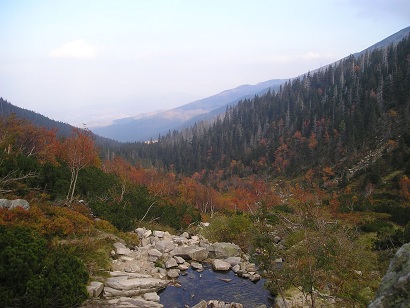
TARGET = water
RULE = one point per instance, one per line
(209, 286)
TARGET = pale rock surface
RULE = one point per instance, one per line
(12, 204)
(191, 253)
(121, 249)
(220, 265)
(95, 288)
(394, 290)
(171, 262)
(223, 250)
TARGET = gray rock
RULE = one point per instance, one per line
(191, 253)
(154, 255)
(12, 204)
(121, 249)
(95, 288)
(164, 246)
(184, 266)
(197, 266)
(180, 240)
(254, 277)
(179, 260)
(151, 296)
(159, 234)
(394, 290)
(173, 273)
(171, 262)
(223, 250)
(140, 232)
(220, 265)
(147, 233)
(185, 235)
(120, 286)
(233, 260)
(236, 268)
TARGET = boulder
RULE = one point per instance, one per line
(191, 253)
(121, 249)
(220, 265)
(394, 290)
(11, 204)
(164, 246)
(154, 255)
(233, 260)
(223, 250)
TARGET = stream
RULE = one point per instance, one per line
(210, 285)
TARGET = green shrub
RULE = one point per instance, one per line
(32, 275)
(236, 229)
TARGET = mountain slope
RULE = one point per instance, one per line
(150, 127)
(332, 118)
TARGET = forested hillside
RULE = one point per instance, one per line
(337, 114)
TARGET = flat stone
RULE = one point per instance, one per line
(117, 287)
(220, 265)
(128, 302)
(151, 296)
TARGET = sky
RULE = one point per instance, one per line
(90, 61)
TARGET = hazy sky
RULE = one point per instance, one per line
(79, 61)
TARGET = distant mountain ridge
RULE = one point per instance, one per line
(150, 127)
(153, 125)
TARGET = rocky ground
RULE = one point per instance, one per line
(139, 273)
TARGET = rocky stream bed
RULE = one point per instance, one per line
(139, 274)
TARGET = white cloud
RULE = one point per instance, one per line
(75, 49)
(310, 55)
